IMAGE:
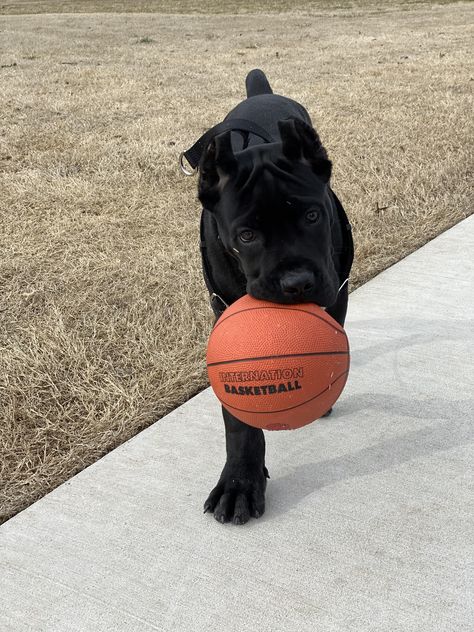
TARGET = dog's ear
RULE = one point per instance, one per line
(217, 165)
(300, 142)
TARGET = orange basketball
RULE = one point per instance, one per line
(276, 366)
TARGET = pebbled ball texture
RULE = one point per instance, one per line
(276, 366)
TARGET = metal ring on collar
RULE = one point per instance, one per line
(214, 295)
(185, 168)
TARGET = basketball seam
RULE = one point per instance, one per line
(286, 355)
(304, 311)
(284, 410)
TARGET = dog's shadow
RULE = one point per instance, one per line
(420, 331)
(456, 429)
(288, 491)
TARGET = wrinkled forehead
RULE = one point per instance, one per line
(265, 176)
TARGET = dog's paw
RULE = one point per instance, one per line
(239, 495)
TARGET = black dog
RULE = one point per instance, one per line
(271, 227)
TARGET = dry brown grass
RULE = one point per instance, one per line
(103, 311)
(22, 7)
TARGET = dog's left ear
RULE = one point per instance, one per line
(217, 164)
(301, 143)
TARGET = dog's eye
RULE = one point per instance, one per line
(246, 236)
(312, 216)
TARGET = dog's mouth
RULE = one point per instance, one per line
(323, 299)
(296, 284)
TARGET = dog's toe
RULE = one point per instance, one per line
(241, 510)
(223, 510)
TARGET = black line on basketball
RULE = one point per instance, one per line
(294, 309)
(287, 355)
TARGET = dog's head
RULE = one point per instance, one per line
(273, 210)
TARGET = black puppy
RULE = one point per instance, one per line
(271, 227)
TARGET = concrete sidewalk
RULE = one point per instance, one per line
(370, 512)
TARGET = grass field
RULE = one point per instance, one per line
(103, 311)
(23, 7)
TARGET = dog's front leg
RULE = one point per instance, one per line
(240, 492)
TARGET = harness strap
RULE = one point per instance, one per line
(218, 304)
(347, 252)
(194, 153)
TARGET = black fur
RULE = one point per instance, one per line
(274, 229)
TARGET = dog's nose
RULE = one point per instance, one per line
(297, 284)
